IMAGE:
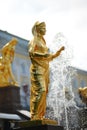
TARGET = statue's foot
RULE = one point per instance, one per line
(39, 118)
(36, 117)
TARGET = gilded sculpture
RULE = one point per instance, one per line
(83, 94)
(40, 58)
(7, 55)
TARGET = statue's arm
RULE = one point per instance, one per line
(47, 56)
(58, 52)
(52, 56)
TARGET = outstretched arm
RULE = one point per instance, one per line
(49, 57)
(58, 52)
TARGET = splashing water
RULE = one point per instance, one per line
(61, 98)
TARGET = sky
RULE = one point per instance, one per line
(67, 16)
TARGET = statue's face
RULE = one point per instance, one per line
(43, 30)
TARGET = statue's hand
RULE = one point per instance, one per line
(58, 52)
(62, 48)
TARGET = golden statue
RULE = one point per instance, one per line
(40, 58)
(83, 94)
(7, 55)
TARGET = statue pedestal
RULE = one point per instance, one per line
(39, 125)
(9, 99)
(37, 122)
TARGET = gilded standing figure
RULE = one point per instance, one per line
(40, 58)
(7, 55)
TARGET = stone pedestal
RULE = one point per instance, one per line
(9, 99)
(37, 122)
(45, 124)
(41, 127)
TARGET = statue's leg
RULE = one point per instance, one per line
(42, 105)
(37, 104)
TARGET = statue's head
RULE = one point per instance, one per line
(39, 28)
(14, 41)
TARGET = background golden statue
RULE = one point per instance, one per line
(83, 94)
(7, 55)
(40, 58)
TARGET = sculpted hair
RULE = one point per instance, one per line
(37, 26)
